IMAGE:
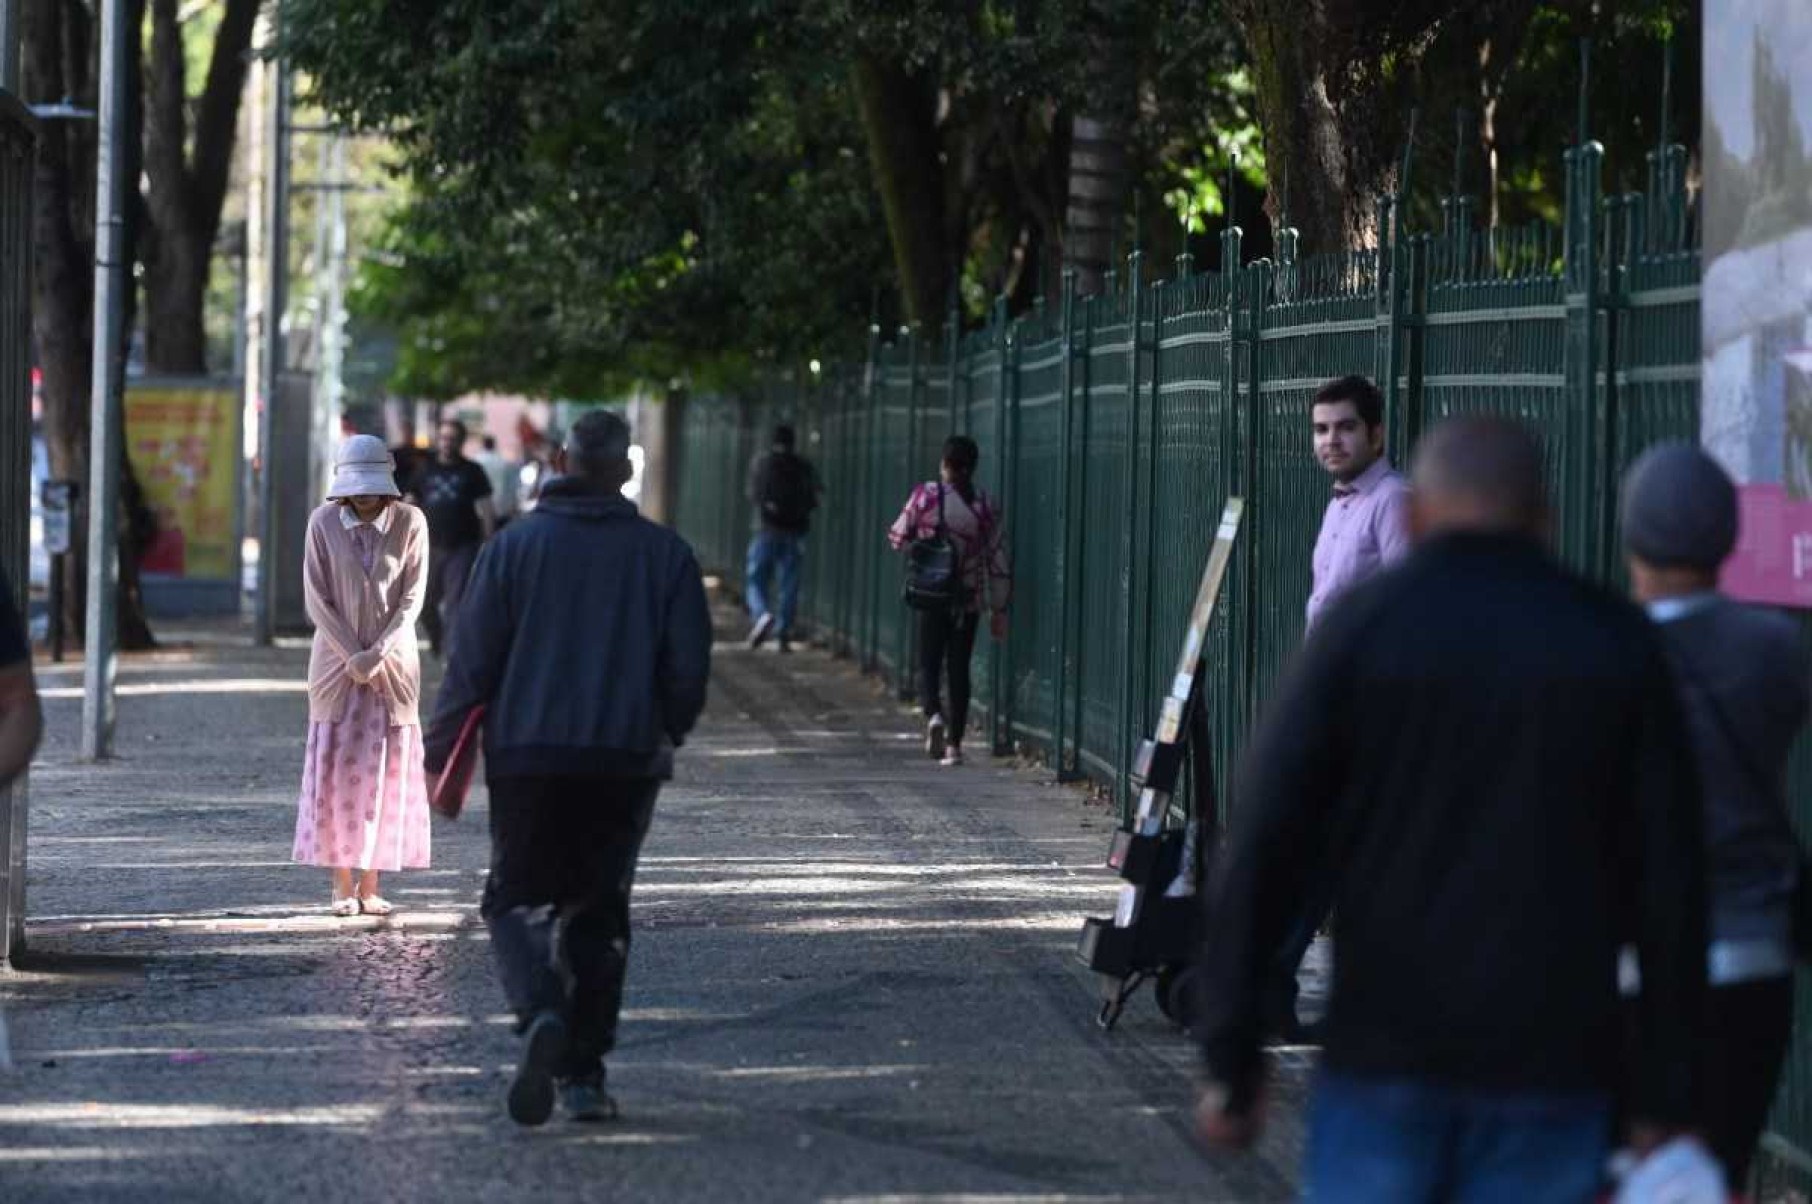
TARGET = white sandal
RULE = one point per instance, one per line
(346, 907)
(375, 905)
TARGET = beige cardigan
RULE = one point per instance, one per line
(354, 611)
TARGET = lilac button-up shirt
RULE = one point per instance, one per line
(1366, 527)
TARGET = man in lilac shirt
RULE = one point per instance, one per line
(1366, 528)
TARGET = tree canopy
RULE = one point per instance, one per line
(603, 189)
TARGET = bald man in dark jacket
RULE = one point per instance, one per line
(1487, 751)
(587, 638)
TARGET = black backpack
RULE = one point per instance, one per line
(934, 569)
(787, 495)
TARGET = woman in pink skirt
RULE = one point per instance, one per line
(364, 803)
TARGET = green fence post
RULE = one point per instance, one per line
(1065, 480)
(1413, 331)
(903, 645)
(848, 390)
(1129, 575)
(1148, 618)
(1581, 272)
(871, 502)
(1000, 655)
(735, 436)
(953, 333)
(1622, 222)
(1245, 330)
(1075, 581)
(1388, 333)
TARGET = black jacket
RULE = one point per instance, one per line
(1485, 755)
(784, 489)
(1742, 676)
(586, 634)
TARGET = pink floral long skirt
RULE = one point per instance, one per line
(364, 802)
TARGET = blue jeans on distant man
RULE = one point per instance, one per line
(1407, 1141)
(774, 561)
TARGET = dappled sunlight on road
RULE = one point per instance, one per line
(852, 979)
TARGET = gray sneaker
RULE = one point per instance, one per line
(586, 1101)
(935, 741)
(531, 1099)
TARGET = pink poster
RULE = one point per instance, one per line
(1773, 560)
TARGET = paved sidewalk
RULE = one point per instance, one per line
(852, 980)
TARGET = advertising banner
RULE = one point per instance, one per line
(184, 442)
(1756, 325)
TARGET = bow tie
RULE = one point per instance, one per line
(1345, 490)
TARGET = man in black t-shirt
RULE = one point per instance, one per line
(21, 719)
(455, 494)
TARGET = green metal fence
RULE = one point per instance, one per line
(1114, 426)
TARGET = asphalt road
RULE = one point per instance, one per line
(852, 979)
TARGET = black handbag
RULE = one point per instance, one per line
(934, 568)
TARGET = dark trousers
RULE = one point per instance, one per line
(1746, 1038)
(448, 571)
(1281, 987)
(946, 644)
(563, 855)
(1403, 1141)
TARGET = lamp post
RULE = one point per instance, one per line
(276, 292)
(106, 414)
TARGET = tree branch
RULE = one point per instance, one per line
(217, 118)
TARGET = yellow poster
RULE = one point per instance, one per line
(184, 443)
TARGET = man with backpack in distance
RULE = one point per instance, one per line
(784, 489)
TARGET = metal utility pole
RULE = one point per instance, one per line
(276, 291)
(333, 334)
(329, 255)
(107, 414)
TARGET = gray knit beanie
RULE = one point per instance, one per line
(1679, 508)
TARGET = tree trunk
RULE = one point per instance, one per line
(1099, 178)
(1098, 184)
(58, 63)
(1335, 81)
(1328, 153)
(63, 251)
(900, 120)
(186, 185)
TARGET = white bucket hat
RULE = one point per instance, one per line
(364, 467)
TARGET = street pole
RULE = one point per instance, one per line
(330, 301)
(276, 287)
(106, 414)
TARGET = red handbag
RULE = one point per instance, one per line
(449, 796)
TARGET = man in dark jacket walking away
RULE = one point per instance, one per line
(588, 641)
(783, 487)
(1483, 755)
(1742, 676)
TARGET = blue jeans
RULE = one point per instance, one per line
(1401, 1141)
(779, 555)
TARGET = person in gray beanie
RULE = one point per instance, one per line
(1741, 672)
